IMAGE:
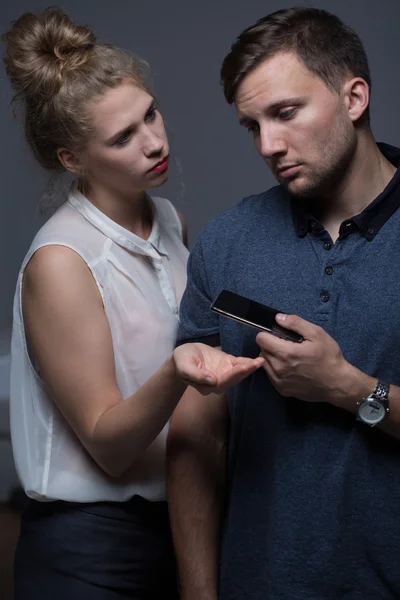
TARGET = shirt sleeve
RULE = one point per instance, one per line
(197, 322)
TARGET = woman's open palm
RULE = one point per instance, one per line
(210, 370)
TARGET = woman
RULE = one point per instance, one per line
(95, 376)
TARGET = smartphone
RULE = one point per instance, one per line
(252, 313)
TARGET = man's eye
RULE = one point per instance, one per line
(287, 114)
(252, 128)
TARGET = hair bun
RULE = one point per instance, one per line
(42, 49)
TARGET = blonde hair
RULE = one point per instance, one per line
(56, 69)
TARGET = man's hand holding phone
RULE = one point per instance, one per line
(315, 370)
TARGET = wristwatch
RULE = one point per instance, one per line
(375, 407)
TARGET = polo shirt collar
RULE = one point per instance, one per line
(371, 219)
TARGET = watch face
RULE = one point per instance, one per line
(371, 412)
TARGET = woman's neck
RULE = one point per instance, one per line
(133, 212)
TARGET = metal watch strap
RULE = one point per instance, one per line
(381, 391)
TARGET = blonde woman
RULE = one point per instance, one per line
(95, 377)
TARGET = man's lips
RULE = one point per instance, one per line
(288, 170)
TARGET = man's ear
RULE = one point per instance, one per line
(356, 93)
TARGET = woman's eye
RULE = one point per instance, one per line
(151, 115)
(124, 138)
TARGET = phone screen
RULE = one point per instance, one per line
(252, 313)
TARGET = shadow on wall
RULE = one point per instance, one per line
(12, 498)
(8, 479)
(9, 528)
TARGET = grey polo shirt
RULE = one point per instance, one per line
(314, 496)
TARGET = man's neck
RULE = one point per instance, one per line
(366, 177)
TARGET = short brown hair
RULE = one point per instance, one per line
(56, 68)
(327, 47)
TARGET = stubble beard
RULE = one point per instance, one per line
(324, 179)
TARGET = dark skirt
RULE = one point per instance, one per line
(101, 551)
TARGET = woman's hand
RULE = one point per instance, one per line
(210, 370)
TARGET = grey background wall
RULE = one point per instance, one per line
(184, 42)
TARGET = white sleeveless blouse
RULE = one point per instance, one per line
(141, 283)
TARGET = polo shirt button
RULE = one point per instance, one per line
(371, 231)
(328, 270)
(324, 296)
(327, 245)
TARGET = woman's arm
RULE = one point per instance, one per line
(69, 334)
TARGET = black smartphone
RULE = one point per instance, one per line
(252, 313)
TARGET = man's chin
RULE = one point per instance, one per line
(292, 186)
(298, 188)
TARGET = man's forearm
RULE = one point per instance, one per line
(357, 385)
(196, 496)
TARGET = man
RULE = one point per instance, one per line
(308, 505)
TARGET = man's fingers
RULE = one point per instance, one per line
(297, 324)
(275, 345)
(272, 344)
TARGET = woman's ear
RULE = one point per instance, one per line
(70, 161)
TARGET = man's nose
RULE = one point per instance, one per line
(271, 143)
